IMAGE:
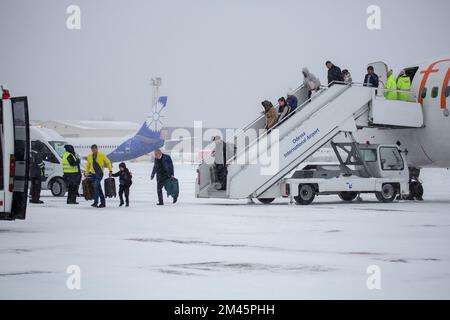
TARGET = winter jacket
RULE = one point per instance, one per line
(391, 85)
(163, 168)
(37, 166)
(347, 77)
(335, 74)
(125, 177)
(371, 80)
(310, 80)
(404, 83)
(292, 101)
(102, 161)
(271, 115)
(223, 151)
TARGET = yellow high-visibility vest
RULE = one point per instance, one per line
(67, 167)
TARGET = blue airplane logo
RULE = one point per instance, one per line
(146, 140)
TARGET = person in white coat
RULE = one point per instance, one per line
(310, 81)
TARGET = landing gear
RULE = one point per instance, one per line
(415, 185)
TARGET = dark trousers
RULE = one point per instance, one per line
(222, 172)
(73, 183)
(98, 191)
(35, 189)
(124, 190)
(160, 186)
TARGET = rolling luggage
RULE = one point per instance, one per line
(110, 188)
(88, 189)
(172, 187)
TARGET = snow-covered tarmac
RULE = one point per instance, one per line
(218, 249)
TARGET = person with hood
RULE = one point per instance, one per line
(163, 169)
(371, 78)
(390, 85)
(283, 109)
(125, 181)
(270, 114)
(72, 173)
(334, 73)
(347, 76)
(310, 81)
(404, 83)
(37, 171)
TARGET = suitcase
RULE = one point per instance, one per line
(172, 187)
(88, 189)
(110, 188)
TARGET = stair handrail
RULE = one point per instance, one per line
(320, 92)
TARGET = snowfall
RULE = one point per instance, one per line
(228, 249)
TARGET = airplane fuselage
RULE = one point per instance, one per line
(428, 146)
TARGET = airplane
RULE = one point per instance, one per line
(118, 149)
(429, 146)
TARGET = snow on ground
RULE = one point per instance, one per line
(220, 249)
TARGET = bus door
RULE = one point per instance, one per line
(15, 153)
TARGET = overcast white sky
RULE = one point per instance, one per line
(218, 58)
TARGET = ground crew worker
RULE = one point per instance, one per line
(390, 85)
(404, 83)
(72, 173)
(37, 171)
(96, 163)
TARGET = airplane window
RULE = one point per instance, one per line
(434, 92)
(447, 92)
(424, 93)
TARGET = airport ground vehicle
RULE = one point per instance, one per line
(14, 155)
(378, 169)
(53, 153)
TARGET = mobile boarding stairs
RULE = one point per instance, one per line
(340, 108)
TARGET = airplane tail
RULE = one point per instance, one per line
(152, 126)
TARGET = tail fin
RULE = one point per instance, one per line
(151, 128)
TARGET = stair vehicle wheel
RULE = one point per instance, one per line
(266, 200)
(387, 194)
(348, 196)
(306, 194)
(58, 187)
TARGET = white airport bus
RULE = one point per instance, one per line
(53, 152)
(14, 155)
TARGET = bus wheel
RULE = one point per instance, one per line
(347, 196)
(306, 194)
(266, 200)
(388, 193)
(58, 187)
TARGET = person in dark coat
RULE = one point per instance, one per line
(334, 73)
(37, 171)
(371, 78)
(72, 173)
(292, 101)
(125, 181)
(163, 169)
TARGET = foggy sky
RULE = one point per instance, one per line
(218, 59)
